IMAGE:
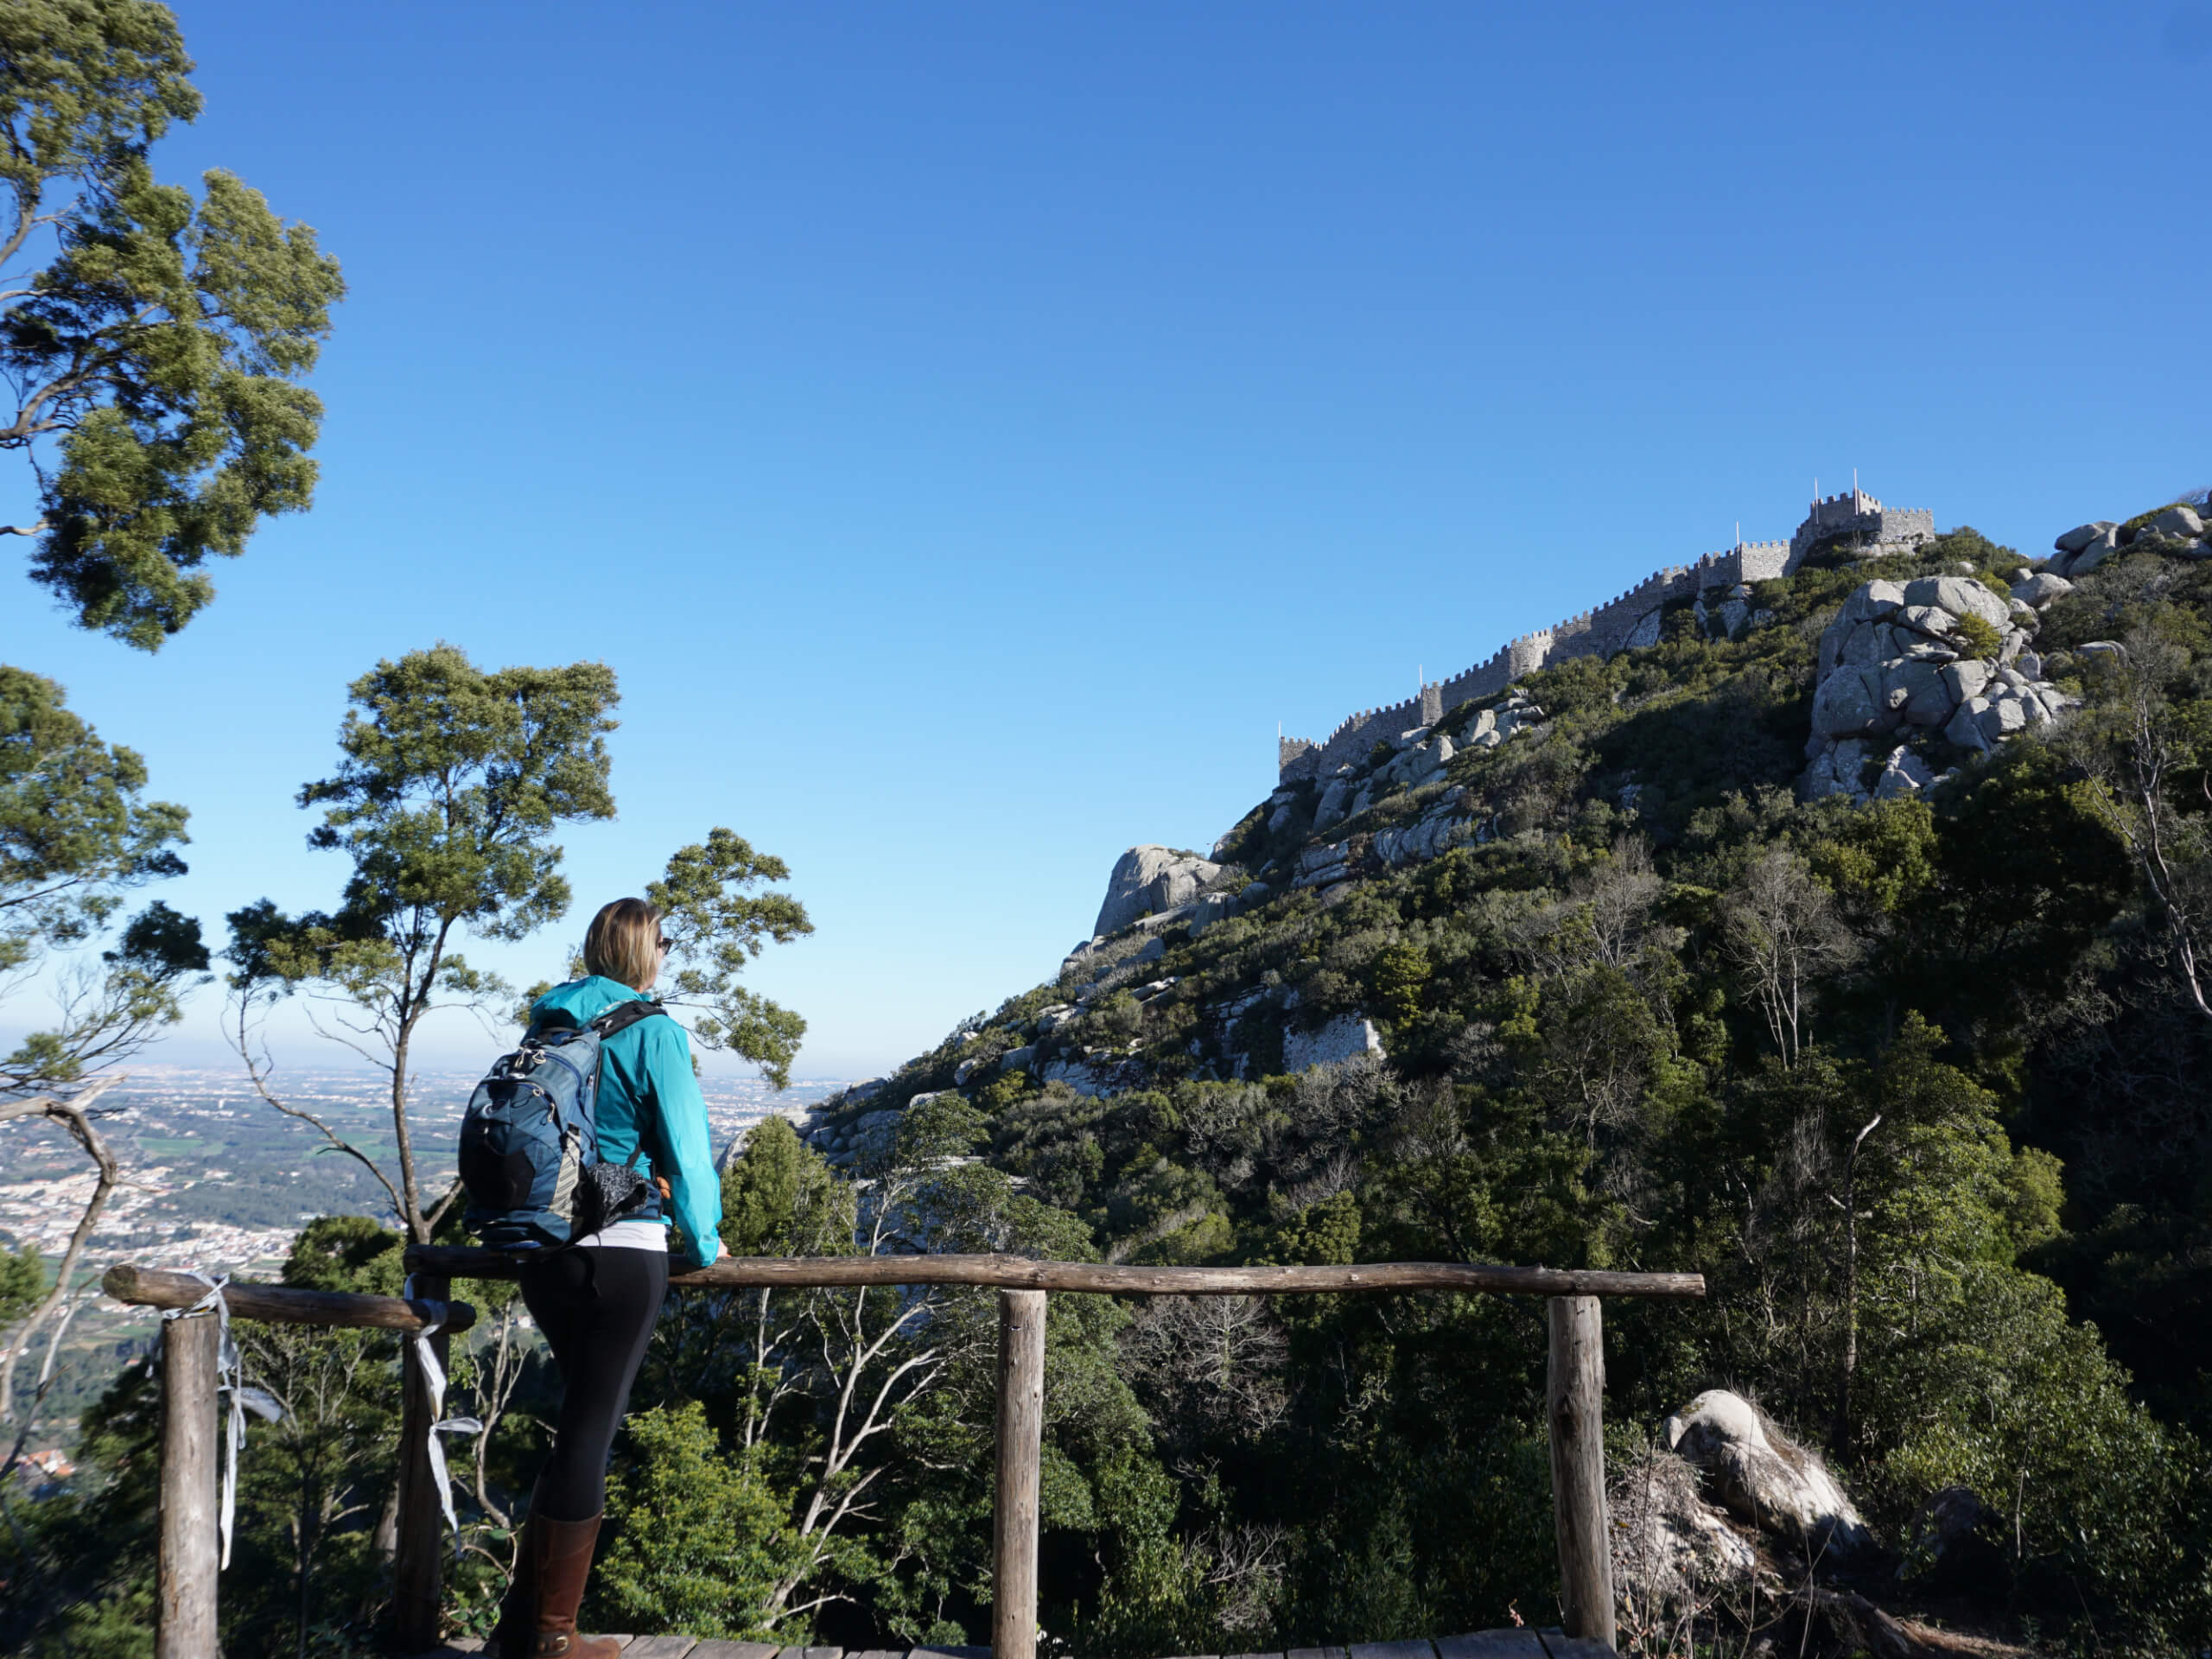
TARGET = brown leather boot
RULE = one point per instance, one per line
(560, 1556)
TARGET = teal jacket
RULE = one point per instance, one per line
(645, 1079)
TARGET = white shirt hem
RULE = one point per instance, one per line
(628, 1235)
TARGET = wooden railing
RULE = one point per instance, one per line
(190, 1547)
(1574, 1402)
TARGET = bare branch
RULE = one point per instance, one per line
(258, 1073)
(75, 1115)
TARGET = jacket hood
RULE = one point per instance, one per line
(581, 999)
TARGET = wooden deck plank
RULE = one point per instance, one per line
(1475, 1644)
(1492, 1644)
(1521, 1643)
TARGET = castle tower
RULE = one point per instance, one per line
(1875, 529)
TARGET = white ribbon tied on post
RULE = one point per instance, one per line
(229, 1380)
(434, 1382)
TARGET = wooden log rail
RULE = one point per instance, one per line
(1020, 1272)
(186, 1623)
(279, 1304)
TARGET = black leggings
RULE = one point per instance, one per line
(597, 1308)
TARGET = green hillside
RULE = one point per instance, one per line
(1847, 945)
(1636, 1012)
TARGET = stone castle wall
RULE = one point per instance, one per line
(1858, 514)
(1629, 620)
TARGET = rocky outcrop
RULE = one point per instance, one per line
(2084, 544)
(1418, 757)
(1324, 865)
(2179, 523)
(848, 1142)
(2040, 589)
(1901, 657)
(1762, 1477)
(1903, 773)
(1152, 880)
(1347, 1037)
(1443, 823)
(1488, 728)
(1728, 618)
(1670, 1548)
(1094, 1075)
(2178, 531)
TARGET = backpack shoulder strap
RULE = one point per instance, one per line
(623, 1015)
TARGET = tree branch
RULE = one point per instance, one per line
(73, 1114)
(257, 1071)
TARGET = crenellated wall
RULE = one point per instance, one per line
(1857, 513)
(1629, 620)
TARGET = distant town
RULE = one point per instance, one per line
(216, 1180)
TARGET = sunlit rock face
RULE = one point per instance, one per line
(1151, 880)
(1761, 1476)
(1902, 657)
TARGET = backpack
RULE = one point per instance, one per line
(530, 1140)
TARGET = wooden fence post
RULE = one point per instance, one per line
(1021, 1428)
(1576, 1401)
(418, 1559)
(191, 1548)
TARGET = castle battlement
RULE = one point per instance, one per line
(1626, 622)
(1854, 513)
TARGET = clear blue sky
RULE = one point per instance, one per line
(969, 428)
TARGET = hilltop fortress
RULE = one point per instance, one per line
(1621, 624)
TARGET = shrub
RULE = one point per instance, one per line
(703, 1537)
(1980, 635)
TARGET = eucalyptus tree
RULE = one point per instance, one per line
(77, 835)
(154, 341)
(716, 924)
(452, 783)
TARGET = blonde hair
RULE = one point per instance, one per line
(624, 943)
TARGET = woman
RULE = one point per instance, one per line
(597, 1300)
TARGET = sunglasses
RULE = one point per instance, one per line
(662, 943)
